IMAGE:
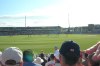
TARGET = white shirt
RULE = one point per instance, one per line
(56, 54)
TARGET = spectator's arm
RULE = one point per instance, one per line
(97, 54)
(92, 49)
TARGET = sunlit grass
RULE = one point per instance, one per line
(46, 42)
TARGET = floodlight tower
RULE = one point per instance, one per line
(25, 21)
(68, 23)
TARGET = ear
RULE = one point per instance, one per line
(21, 64)
(60, 58)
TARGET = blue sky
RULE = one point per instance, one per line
(8, 7)
(49, 12)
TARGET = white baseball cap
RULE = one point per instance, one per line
(12, 53)
(38, 60)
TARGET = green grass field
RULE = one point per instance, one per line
(46, 42)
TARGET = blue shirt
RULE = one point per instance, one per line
(30, 64)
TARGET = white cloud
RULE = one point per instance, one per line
(81, 13)
(84, 12)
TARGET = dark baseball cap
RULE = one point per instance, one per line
(70, 47)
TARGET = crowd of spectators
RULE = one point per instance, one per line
(69, 54)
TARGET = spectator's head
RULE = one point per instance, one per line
(52, 57)
(42, 55)
(12, 56)
(28, 55)
(69, 53)
(55, 47)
